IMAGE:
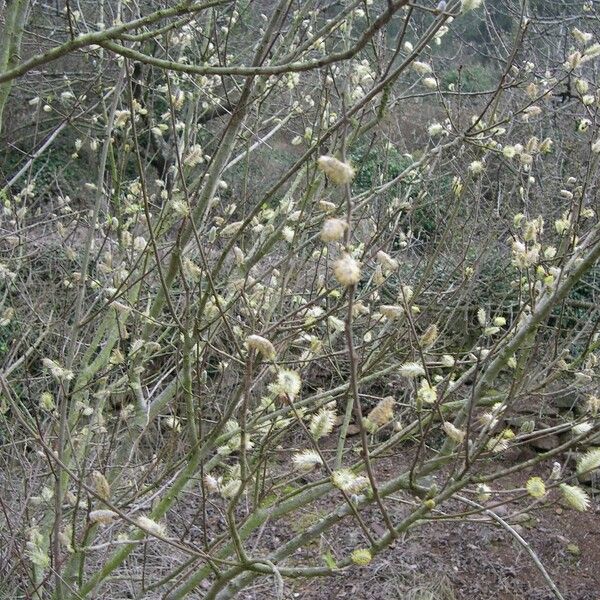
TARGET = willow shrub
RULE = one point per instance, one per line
(193, 332)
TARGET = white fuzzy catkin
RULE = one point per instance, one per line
(386, 261)
(455, 434)
(347, 270)
(347, 481)
(590, 461)
(151, 526)
(262, 345)
(103, 516)
(322, 423)
(575, 497)
(391, 311)
(306, 461)
(333, 230)
(57, 371)
(411, 370)
(339, 172)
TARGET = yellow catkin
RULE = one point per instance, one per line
(101, 485)
(383, 413)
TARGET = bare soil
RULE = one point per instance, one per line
(451, 560)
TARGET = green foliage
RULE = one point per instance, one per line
(372, 164)
(55, 172)
(471, 78)
(475, 30)
(581, 299)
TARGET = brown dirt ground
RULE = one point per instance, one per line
(451, 560)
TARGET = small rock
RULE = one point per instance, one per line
(548, 442)
(564, 398)
(522, 518)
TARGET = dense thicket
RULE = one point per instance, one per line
(253, 251)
